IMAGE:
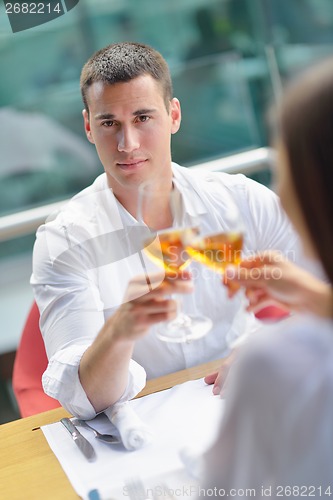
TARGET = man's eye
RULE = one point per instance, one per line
(143, 118)
(108, 123)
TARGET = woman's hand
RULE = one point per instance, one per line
(269, 278)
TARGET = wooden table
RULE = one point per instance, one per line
(28, 468)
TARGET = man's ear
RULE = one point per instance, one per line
(87, 126)
(176, 115)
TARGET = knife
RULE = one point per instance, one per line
(80, 441)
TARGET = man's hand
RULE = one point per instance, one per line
(104, 365)
(147, 303)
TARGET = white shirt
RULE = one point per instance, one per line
(84, 258)
(277, 428)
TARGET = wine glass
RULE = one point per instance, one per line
(165, 247)
(221, 248)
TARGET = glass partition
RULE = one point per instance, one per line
(217, 110)
(222, 72)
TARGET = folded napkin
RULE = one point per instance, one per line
(133, 432)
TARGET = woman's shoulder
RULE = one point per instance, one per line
(298, 333)
(289, 353)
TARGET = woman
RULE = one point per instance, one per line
(276, 438)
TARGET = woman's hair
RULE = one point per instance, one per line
(306, 129)
(122, 62)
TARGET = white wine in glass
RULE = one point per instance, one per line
(165, 247)
(222, 247)
(217, 250)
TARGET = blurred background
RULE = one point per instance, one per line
(228, 59)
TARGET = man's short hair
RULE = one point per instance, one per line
(122, 62)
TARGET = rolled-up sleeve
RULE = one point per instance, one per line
(61, 381)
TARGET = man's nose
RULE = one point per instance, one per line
(128, 140)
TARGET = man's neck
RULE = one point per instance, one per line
(158, 217)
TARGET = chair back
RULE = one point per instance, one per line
(29, 366)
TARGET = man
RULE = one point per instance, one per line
(98, 329)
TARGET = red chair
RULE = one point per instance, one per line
(29, 366)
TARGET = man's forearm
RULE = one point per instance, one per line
(104, 369)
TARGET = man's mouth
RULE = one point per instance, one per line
(131, 164)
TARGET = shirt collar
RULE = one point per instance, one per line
(189, 187)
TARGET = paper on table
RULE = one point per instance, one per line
(186, 415)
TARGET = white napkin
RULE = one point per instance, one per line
(133, 432)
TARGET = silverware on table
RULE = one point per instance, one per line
(81, 442)
(135, 489)
(167, 492)
(106, 438)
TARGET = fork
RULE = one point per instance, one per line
(135, 489)
(106, 438)
(167, 495)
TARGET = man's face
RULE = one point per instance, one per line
(131, 129)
